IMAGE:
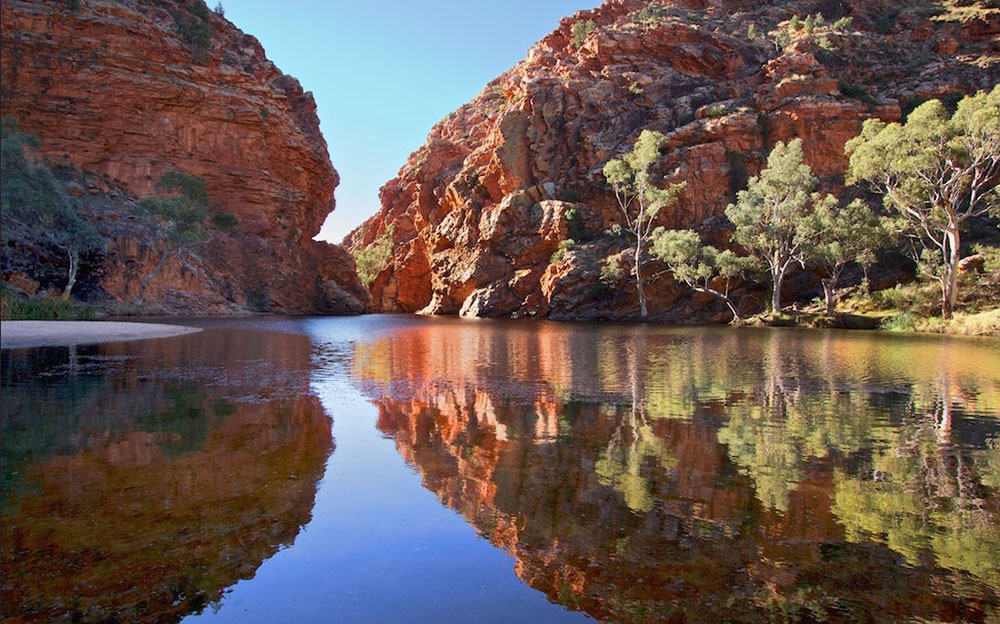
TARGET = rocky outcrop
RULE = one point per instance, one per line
(478, 213)
(126, 91)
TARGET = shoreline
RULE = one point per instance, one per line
(28, 334)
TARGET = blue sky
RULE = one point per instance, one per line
(384, 71)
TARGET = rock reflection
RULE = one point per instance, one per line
(142, 479)
(643, 474)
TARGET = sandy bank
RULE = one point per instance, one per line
(17, 334)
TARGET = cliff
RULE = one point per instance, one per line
(478, 213)
(122, 92)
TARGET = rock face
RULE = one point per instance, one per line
(478, 213)
(130, 90)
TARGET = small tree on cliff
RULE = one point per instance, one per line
(701, 266)
(34, 204)
(638, 197)
(184, 214)
(936, 171)
(841, 236)
(768, 215)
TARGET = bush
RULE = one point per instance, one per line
(192, 24)
(560, 253)
(372, 259)
(612, 271)
(716, 111)
(44, 308)
(581, 29)
(899, 322)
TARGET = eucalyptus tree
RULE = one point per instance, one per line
(840, 236)
(937, 171)
(638, 196)
(35, 206)
(701, 266)
(769, 215)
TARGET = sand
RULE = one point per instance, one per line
(19, 334)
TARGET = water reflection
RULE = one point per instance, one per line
(647, 474)
(142, 479)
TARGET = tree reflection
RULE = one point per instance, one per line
(645, 474)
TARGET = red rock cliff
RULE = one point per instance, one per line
(480, 209)
(117, 89)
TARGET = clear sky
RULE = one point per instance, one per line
(384, 71)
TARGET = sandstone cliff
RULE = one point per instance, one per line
(478, 213)
(126, 91)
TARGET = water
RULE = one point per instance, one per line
(389, 468)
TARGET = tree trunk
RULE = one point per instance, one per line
(721, 297)
(777, 277)
(828, 285)
(638, 277)
(146, 279)
(74, 266)
(951, 274)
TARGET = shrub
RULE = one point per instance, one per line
(372, 259)
(560, 253)
(899, 322)
(716, 111)
(857, 92)
(581, 29)
(752, 31)
(192, 24)
(635, 89)
(612, 270)
(45, 308)
(843, 24)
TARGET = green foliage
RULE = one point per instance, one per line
(638, 197)
(612, 271)
(837, 236)
(857, 92)
(899, 322)
(843, 24)
(752, 31)
(44, 308)
(768, 215)
(192, 22)
(560, 253)
(795, 23)
(714, 112)
(991, 258)
(581, 29)
(698, 265)
(809, 25)
(372, 259)
(182, 211)
(635, 89)
(936, 171)
(219, 9)
(650, 14)
(34, 204)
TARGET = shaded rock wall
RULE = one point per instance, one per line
(117, 89)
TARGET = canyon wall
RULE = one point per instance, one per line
(479, 212)
(122, 92)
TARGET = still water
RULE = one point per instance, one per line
(392, 468)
